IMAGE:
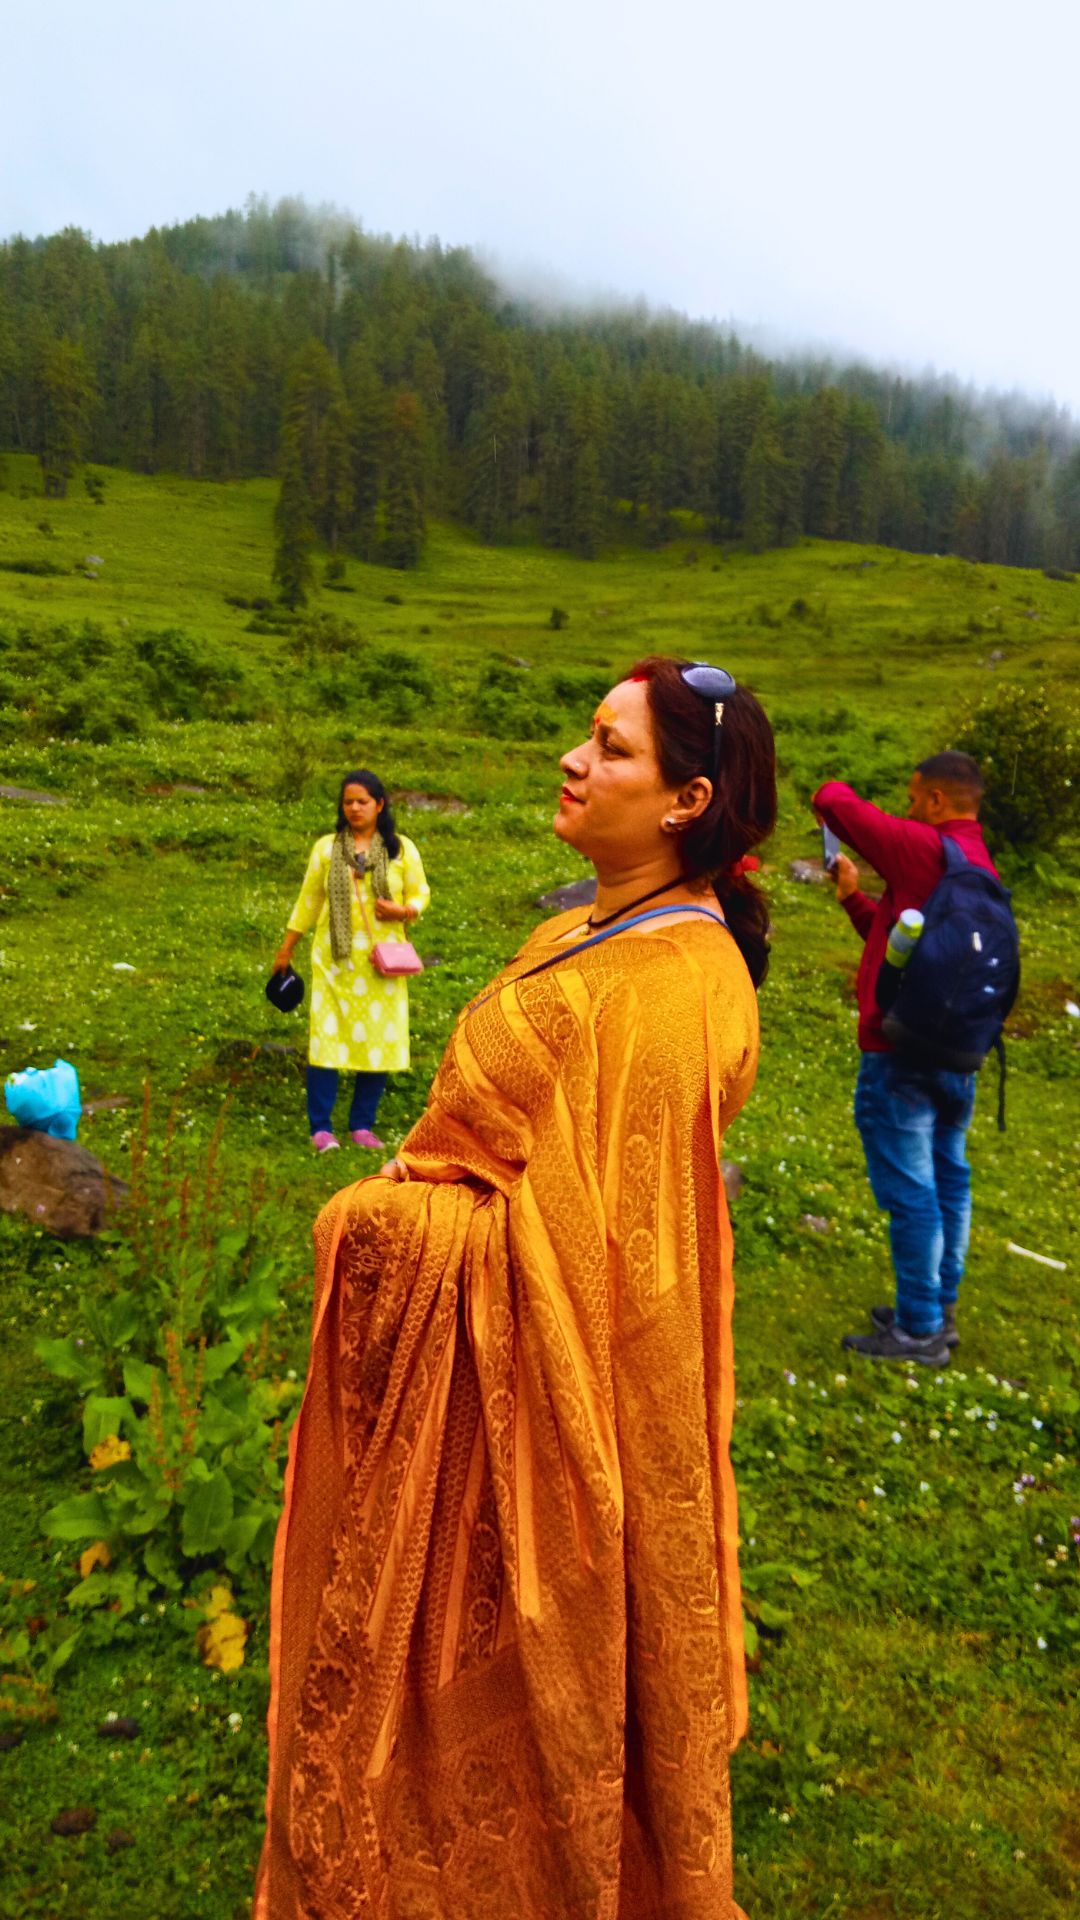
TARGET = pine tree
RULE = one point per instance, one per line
(588, 511)
(861, 476)
(767, 489)
(367, 420)
(65, 398)
(496, 458)
(825, 443)
(557, 458)
(403, 509)
(294, 532)
(334, 457)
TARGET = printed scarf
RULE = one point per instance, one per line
(345, 861)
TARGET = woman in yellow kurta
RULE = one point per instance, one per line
(364, 883)
(506, 1654)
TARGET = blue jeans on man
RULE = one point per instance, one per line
(913, 1122)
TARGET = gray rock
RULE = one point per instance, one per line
(733, 1177)
(36, 799)
(807, 870)
(430, 803)
(579, 893)
(56, 1184)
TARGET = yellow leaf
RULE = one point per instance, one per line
(221, 1642)
(94, 1556)
(109, 1451)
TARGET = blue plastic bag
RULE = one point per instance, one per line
(47, 1100)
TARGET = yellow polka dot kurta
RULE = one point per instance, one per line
(359, 1020)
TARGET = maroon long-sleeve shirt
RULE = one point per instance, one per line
(908, 856)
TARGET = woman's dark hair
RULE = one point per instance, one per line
(742, 811)
(373, 785)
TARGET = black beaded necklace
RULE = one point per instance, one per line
(595, 925)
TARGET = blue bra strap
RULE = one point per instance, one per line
(570, 953)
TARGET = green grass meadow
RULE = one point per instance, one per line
(916, 1604)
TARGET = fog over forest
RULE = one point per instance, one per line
(388, 381)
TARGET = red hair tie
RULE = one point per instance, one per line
(748, 864)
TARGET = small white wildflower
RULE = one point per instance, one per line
(896, 1438)
(1041, 1644)
(1037, 1424)
(880, 1492)
(924, 1486)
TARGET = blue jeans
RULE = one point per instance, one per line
(913, 1122)
(322, 1086)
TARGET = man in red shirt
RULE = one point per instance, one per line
(913, 1120)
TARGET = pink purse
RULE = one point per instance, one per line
(393, 959)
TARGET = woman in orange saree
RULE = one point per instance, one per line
(506, 1653)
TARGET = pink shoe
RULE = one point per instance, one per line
(363, 1137)
(324, 1142)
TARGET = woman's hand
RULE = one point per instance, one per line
(391, 1170)
(283, 956)
(391, 910)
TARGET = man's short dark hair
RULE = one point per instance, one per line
(958, 773)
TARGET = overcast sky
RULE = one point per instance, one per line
(899, 180)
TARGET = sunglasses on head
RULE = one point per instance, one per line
(717, 685)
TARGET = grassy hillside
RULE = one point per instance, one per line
(914, 1701)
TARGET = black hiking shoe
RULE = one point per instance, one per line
(892, 1343)
(882, 1318)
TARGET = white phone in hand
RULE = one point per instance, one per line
(830, 848)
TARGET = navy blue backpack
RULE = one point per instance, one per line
(947, 1006)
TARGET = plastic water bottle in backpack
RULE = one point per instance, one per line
(903, 936)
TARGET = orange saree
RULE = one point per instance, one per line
(506, 1652)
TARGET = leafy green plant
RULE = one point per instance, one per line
(1027, 743)
(32, 1652)
(504, 710)
(183, 1420)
